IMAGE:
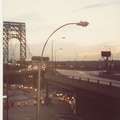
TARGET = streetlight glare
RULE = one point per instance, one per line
(82, 23)
(63, 37)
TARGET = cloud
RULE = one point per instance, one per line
(90, 6)
(94, 5)
(32, 16)
(102, 4)
(97, 5)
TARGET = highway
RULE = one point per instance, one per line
(93, 76)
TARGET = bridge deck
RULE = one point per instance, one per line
(102, 87)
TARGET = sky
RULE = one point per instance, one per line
(42, 17)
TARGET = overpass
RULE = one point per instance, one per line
(109, 88)
(96, 99)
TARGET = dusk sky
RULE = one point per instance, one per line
(42, 17)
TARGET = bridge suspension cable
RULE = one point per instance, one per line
(12, 54)
(29, 51)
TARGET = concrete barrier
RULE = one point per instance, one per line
(25, 103)
(20, 103)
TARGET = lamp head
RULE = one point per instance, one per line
(82, 23)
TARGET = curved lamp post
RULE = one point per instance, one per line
(83, 24)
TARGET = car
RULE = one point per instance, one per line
(57, 94)
(69, 98)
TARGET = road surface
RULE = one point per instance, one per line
(58, 110)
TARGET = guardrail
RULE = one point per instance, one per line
(97, 81)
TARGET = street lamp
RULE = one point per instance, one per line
(77, 55)
(53, 48)
(55, 55)
(83, 24)
(107, 47)
(52, 51)
(76, 58)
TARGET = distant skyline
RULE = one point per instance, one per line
(42, 17)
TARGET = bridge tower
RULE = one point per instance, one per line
(14, 30)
